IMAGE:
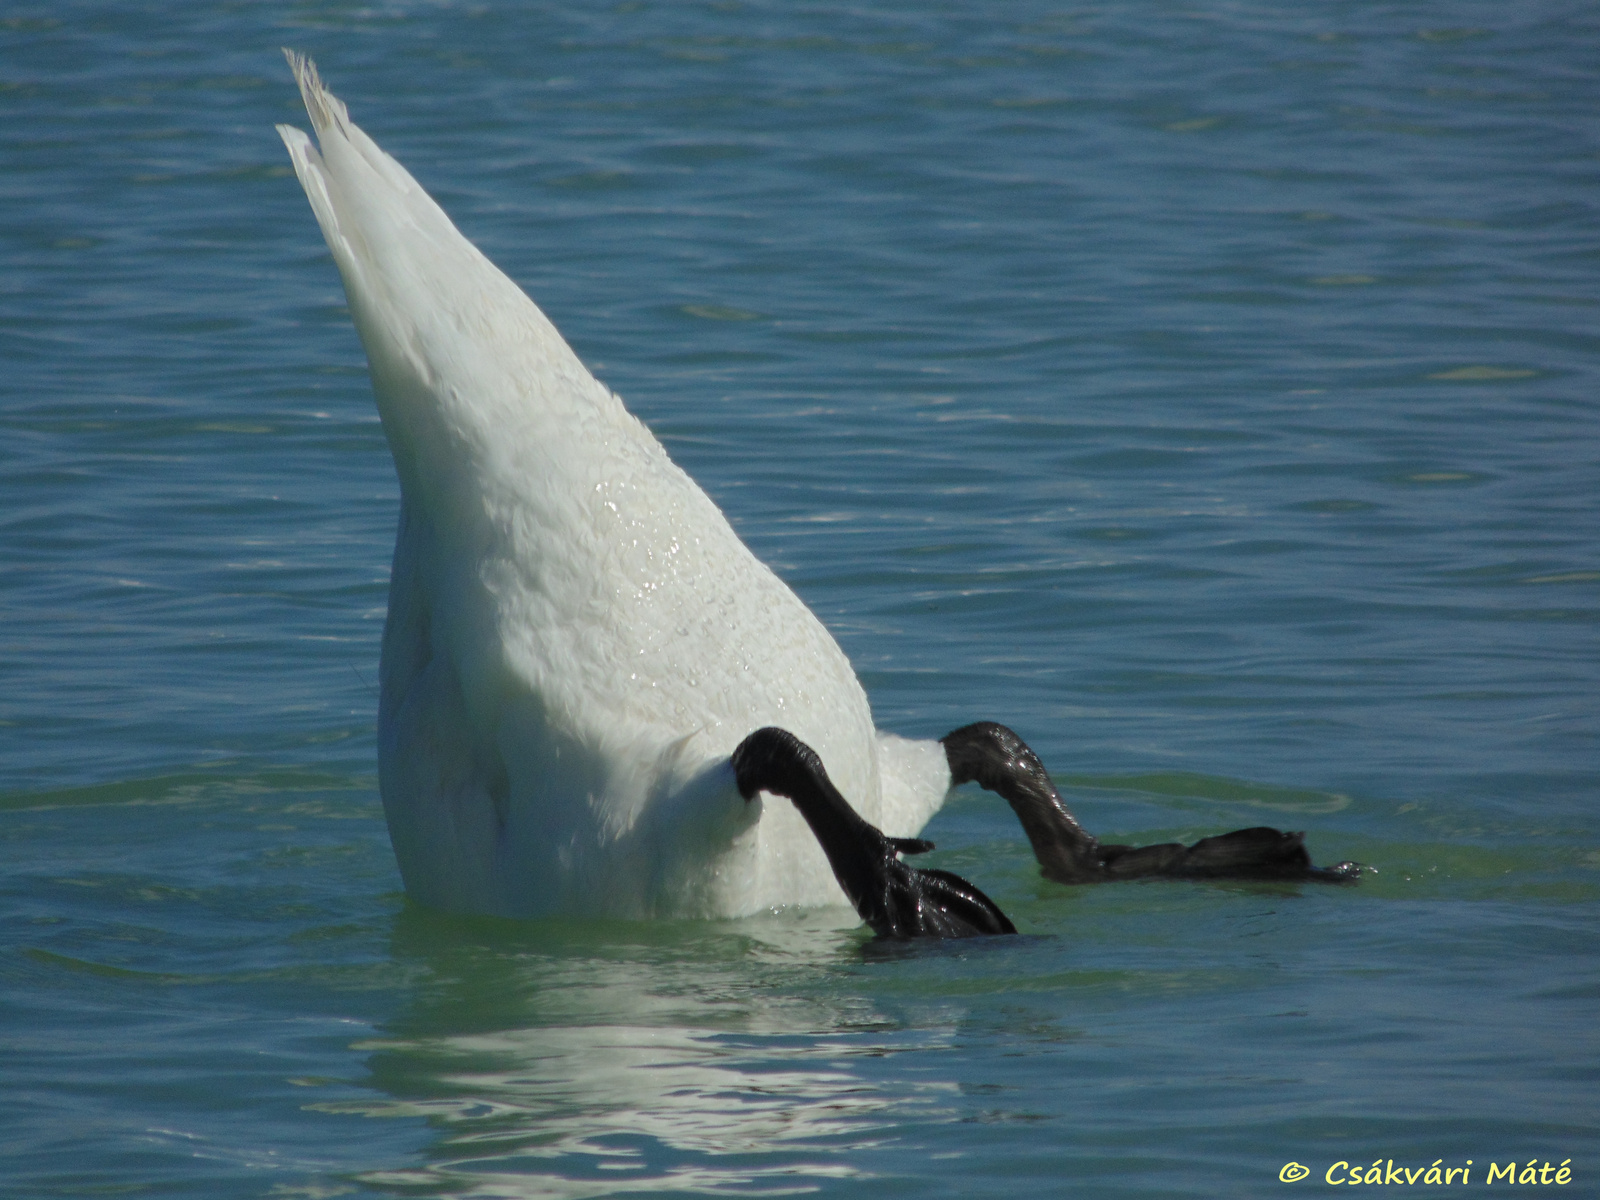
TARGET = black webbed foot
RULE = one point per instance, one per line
(998, 760)
(895, 899)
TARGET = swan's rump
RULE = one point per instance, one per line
(576, 638)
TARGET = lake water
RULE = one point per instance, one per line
(1206, 390)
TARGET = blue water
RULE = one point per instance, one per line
(1208, 391)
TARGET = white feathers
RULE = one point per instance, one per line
(576, 637)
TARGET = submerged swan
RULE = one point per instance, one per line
(576, 639)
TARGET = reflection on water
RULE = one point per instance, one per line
(574, 1060)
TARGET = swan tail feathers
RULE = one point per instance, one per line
(370, 208)
(322, 106)
(419, 290)
(336, 132)
(312, 173)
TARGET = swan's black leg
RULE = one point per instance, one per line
(997, 759)
(896, 900)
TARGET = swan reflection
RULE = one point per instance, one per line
(579, 1060)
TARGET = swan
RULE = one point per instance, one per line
(576, 639)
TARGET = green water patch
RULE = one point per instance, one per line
(1483, 373)
(191, 787)
(1191, 785)
(1528, 870)
(718, 312)
(84, 966)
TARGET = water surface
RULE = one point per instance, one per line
(1205, 390)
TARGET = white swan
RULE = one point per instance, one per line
(576, 639)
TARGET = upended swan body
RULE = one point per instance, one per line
(576, 640)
